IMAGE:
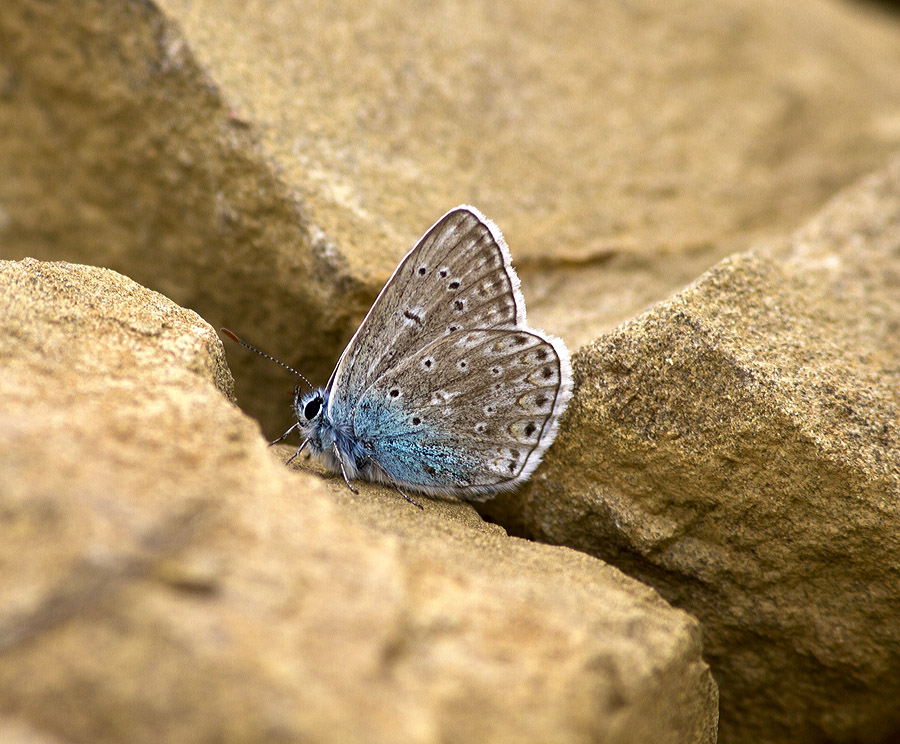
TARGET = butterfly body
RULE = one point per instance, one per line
(443, 389)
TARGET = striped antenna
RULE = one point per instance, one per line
(233, 337)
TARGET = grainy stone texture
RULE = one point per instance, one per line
(165, 578)
(737, 447)
(267, 164)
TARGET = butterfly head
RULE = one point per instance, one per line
(309, 408)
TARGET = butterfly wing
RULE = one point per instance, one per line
(458, 276)
(470, 414)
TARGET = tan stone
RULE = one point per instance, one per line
(267, 164)
(165, 578)
(737, 447)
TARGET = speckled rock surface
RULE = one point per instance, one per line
(267, 164)
(737, 447)
(165, 578)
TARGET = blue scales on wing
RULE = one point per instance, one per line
(468, 413)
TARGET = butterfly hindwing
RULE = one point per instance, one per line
(471, 413)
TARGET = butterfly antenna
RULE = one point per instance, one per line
(233, 337)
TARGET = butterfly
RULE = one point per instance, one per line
(443, 389)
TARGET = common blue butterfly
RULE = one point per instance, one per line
(443, 389)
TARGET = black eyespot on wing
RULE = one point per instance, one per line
(394, 392)
(453, 285)
(530, 428)
(416, 421)
(429, 469)
(459, 304)
(540, 401)
(412, 316)
(541, 354)
(443, 273)
(548, 373)
(422, 271)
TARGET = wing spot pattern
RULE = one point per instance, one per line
(546, 377)
(523, 431)
(470, 340)
(462, 258)
(534, 402)
(439, 397)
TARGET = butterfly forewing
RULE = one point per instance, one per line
(470, 413)
(457, 277)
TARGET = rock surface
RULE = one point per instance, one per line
(267, 164)
(164, 578)
(737, 447)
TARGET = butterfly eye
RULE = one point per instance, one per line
(311, 409)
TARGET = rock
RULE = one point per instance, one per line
(737, 448)
(268, 164)
(166, 579)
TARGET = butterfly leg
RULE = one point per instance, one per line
(302, 447)
(393, 483)
(283, 436)
(337, 456)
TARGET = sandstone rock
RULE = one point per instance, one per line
(737, 447)
(267, 164)
(14, 731)
(166, 579)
